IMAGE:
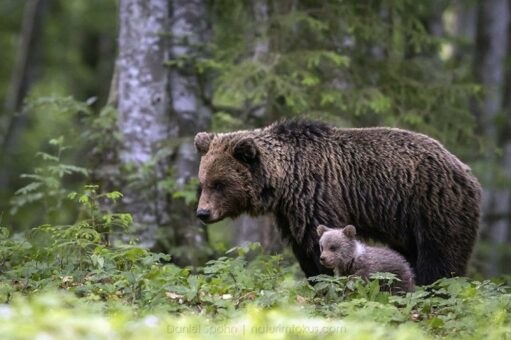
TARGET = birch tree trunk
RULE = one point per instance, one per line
(259, 229)
(491, 49)
(190, 94)
(143, 106)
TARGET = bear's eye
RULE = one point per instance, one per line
(218, 186)
(333, 248)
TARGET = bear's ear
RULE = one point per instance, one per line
(245, 151)
(202, 141)
(350, 231)
(321, 229)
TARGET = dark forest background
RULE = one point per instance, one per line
(111, 93)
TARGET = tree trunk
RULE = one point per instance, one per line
(491, 49)
(23, 76)
(259, 229)
(190, 93)
(143, 106)
(465, 19)
(500, 233)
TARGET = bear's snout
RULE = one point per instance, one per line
(322, 260)
(203, 214)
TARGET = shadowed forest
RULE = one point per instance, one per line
(100, 101)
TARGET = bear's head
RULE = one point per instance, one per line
(337, 246)
(228, 184)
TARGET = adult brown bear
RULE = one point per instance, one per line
(398, 187)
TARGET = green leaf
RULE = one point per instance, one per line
(436, 322)
(98, 261)
(72, 169)
(57, 141)
(114, 195)
(47, 157)
(28, 188)
(83, 199)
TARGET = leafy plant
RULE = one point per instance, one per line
(46, 186)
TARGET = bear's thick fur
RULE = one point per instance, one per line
(346, 255)
(398, 187)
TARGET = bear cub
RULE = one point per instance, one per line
(343, 253)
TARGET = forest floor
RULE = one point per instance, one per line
(72, 291)
(75, 281)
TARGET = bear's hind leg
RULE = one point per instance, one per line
(433, 263)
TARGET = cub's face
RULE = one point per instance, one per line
(337, 246)
(226, 186)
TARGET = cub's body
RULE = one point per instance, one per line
(346, 255)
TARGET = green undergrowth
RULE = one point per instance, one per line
(81, 281)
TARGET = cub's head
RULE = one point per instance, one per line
(337, 246)
(228, 184)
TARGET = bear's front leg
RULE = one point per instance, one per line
(309, 261)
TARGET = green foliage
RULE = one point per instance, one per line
(351, 63)
(71, 277)
(10, 17)
(189, 192)
(74, 48)
(46, 187)
(446, 306)
(102, 135)
(348, 62)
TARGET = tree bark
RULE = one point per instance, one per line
(502, 233)
(490, 53)
(190, 93)
(143, 106)
(491, 48)
(259, 229)
(23, 76)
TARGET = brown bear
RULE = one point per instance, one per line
(398, 187)
(343, 253)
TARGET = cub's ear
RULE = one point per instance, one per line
(350, 231)
(245, 150)
(202, 141)
(321, 229)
